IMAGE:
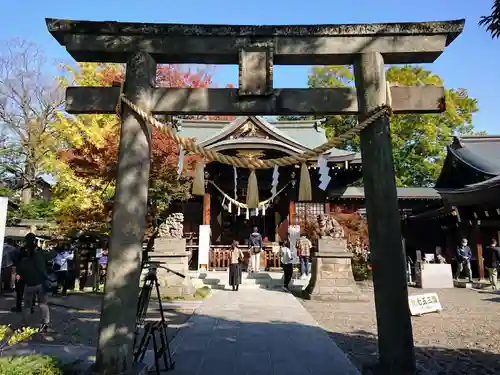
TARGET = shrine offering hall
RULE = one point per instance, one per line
(223, 210)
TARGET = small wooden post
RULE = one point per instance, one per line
(118, 315)
(206, 209)
(479, 246)
(395, 336)
(291, 213)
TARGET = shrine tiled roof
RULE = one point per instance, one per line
(470, 160)
(479, 152)
(295, 136)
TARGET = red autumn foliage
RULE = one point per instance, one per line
(90, 161)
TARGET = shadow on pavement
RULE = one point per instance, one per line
(205, 344)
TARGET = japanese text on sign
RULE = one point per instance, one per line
(424, 303)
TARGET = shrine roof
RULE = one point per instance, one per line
(480, 152)
(295, 136)
(418, 193)
(469, 160)
(484, 192)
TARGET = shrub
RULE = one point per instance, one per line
(30, 365)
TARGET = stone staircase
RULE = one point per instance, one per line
(263, 280)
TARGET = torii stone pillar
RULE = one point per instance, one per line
(395, 337)
(117, 325)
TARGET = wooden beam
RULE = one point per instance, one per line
(478, 240)
(395, 337)
(223, 101)
(291, 213)
(420, 42)
(206, 209)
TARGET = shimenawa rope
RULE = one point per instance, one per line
(253, 163)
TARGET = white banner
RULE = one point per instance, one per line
(203, 245)
(424, 303)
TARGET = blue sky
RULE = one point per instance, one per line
(471, 62)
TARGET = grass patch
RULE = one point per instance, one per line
(30, 365)
(199, 294)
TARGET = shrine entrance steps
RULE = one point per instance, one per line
(263, 280)
(257, 332)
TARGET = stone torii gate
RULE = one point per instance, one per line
(256, 49)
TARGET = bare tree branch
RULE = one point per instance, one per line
(29, 101)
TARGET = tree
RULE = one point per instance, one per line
(419, 140)
(492, 22)
(87, 168)
(29, 102)
(96, 165)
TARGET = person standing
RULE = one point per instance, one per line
(286, 264)
(17, 256)
(304, 245)
(255, 245)
(491, 258)
(236, 256)
(60, 267)
(7, 263)
(464, 255)
(33, 271)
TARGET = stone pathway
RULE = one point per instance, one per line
(463, 339)
(75, 319)
(256, 331)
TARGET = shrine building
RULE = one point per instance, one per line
(469, 184)
(257, 137)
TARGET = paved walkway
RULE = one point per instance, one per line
(256, 332)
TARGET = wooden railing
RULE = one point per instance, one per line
(219, 258)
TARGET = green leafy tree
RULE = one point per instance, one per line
(419, 140)
(40, 209)
(492, 22)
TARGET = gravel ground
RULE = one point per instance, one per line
(75, 319)
(464, 339)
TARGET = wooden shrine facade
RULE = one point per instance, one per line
(254, 136)
(255, 49)
(469, 185)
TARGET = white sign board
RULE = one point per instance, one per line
(203, 245)
(3, 221)
(424, 303)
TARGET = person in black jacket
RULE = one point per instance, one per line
(17, 257)
(32, 269)
(491, 258)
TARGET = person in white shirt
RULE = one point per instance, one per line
(286, 263)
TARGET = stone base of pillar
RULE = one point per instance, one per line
(331, 274)
(172, 252)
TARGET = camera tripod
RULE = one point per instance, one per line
(153, 331)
